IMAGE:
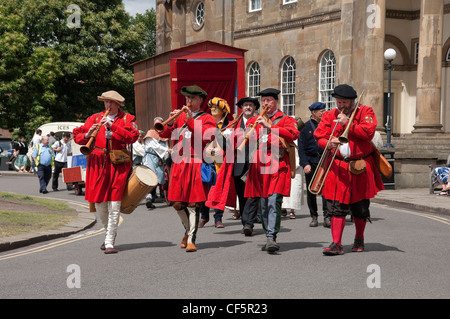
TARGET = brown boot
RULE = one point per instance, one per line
(191, 247)
(184, 241)
(314, 222)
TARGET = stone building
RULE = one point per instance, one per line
(306, 47)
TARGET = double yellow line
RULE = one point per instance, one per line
(433, 217)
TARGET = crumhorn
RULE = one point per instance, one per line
(87, 149)
(159, 127)
(247, 136)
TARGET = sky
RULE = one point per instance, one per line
(138, 6)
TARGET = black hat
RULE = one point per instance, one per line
(270, 92)
(317, 106)
(344, 91)
(193, 90)
(248, 99)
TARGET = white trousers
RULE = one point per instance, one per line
(189, 218)
(109, 213)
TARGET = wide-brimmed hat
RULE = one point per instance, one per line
(193, 90)
(253, 100)
(112, 96)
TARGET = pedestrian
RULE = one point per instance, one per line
(51, 138)
(310, 154)
(156, 150)
(186, 190)
(295, 199)
(35, 141)
(21, 152)
(269, 175)
(215, 151)
(105, 179)
(138, 149)
(43, 158)
(62, 149)
(353, 177)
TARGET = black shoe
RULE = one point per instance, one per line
(358, 245)
(248, 231)
(55, 189)
(44, 191)
(333, 249)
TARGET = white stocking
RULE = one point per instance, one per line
(113, 223)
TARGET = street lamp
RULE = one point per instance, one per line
(389, 55)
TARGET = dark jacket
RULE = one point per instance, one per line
(308, 149)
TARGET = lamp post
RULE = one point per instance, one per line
(389, 55)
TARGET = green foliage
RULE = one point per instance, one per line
(51, 71)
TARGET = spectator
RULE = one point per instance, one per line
(62, 149)
(21, 154)
(43, 157)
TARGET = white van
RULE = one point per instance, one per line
(59, 128)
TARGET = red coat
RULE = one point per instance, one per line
(340, 184)
(269, 174)
(185, 182)
(223, 193)
(106, 181)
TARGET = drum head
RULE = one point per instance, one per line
(146, 175)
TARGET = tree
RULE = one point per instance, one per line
(53, 70)
(148, 19)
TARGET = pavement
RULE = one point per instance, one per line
(418, 199)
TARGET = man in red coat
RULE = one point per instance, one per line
(105, 181)
(349, 192)
(186, 189)
(269, 175)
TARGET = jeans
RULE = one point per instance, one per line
(271, 214)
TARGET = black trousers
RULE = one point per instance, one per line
(58, 168)
(359, 209)
(311, 199)
(248, 207)
(45, 174)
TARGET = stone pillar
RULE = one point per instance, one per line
(178, 24)
(373, 78)
(163, 26)
(344, 65)
(429, 69)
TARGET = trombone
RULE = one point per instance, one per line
(328, 155)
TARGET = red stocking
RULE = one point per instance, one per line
(337, 228)
(360, 225)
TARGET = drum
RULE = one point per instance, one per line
(141, 181)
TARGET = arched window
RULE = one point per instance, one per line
(447, 58)
(288, 86)
(200, 13)
(327, 78)
(254, 79)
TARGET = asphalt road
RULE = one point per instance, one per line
(407, 256)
